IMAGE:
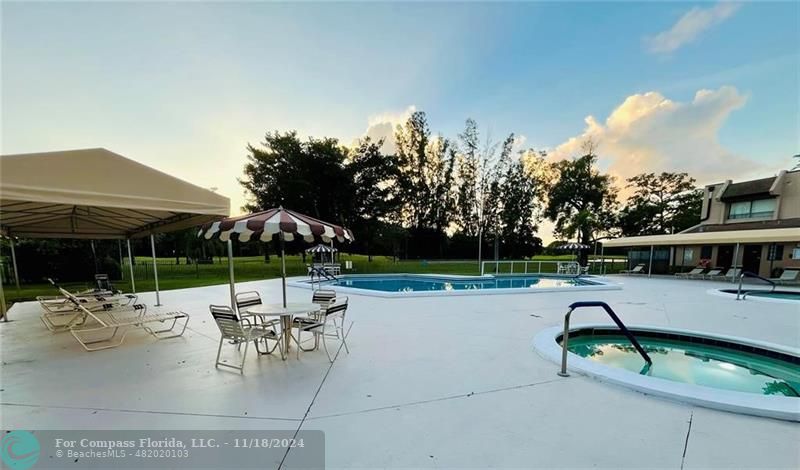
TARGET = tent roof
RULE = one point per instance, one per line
(96, 193)
(730, 236)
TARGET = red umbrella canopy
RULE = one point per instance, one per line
(263, 225)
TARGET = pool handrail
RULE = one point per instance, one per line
(749, 274)
(565, 337)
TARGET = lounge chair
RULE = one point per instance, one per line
(110, 323)
(638, 269)
(61, 315)
(788, 276)
(694, 272)
(240, 331)
(328, 323)
(711, 274)
(729, 276)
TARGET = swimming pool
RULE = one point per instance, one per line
(391, 285)
(716, 371)
(776, 295)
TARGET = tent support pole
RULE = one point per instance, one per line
(155, 268)
(650, 264)
(3, 310)
(230, 275)
(121, 271)
(130, 265)
(283, 269)
(14, 261)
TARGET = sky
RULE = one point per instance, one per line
(709, 88)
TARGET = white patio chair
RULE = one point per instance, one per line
(240, 331)
(323, 297)
(694, 272)
(328, 323)
(251, 299)
(70, 310)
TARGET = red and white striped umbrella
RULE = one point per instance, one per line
(264, 225)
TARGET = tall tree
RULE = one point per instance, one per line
(468, 180)
(374, 183)
(425, 175)
(581, 200)
(308, 177)
(521, 211)
(660, 204)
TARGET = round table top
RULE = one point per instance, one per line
(292, 308)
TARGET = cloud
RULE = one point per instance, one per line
(689, 27)
(650, 133)
(382, 126)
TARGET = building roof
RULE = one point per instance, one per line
(96, 193)
(754, 225)
(747, 189)
(771, 235)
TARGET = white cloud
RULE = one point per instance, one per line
(693, 23)
(650, 133)
(382, 126)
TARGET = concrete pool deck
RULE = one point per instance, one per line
(430, 382)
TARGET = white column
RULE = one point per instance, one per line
(14, 261)
(130, 266)
(155, 268)
(283, 268)
(602, 260)
(230, 275)
(650, 264)
(735, 263)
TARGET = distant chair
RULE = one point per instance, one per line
(240, 331)
(788, 276)
(638, 269)
(694, 272)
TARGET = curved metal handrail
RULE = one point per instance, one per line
(749, 274)
(613, 315)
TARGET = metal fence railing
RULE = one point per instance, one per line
(529, 267)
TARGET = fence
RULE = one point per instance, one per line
(524, 267)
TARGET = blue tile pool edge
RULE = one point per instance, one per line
(601, 285)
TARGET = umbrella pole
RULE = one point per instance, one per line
(230, 274)
(283, 269)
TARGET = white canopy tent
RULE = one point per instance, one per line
(97, 194)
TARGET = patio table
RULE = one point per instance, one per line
(286, 314)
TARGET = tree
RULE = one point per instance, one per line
(660, 204)
(581, 200)
(308, 177)
(374, 182)
(468, 180)
(520, 212)
(425, 181)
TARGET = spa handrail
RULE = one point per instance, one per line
(613, 315)
(749, 274)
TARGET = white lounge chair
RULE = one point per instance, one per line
(61, 315)
(694, 272)
(110, 324)
(328, 323)
(638, 269)
(240, 331)
(730, 275)
(788, 276)
(711, 274)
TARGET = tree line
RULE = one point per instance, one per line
(461, 197)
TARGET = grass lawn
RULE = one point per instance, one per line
(177, 276)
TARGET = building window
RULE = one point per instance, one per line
(758, 209)
(705, 254)
(688, 255)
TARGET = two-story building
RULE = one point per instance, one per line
(753, 225)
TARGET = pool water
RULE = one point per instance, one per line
(416, 283)
(694, 363)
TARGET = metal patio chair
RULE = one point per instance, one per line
(328, 323)
(240, 331)
(251, 299)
